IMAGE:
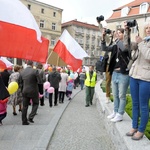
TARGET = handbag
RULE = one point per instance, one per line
(134, 56)
(101, 64)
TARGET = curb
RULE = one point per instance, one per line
(48, 133)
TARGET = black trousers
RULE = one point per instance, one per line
(55, 97)
(35, 104)
(61, 96)
(2, 116)
(41, 92)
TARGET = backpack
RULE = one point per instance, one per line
(101, 64)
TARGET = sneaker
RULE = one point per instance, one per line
(117, 118)
(111, 115)
(108, 100)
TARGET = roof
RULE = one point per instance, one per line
(134, 9)
(81, 24)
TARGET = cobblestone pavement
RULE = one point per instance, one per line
(80, 128)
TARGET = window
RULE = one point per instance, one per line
(52, 42)
(82, 30)
(87, 41)
(134, 29)
(125, 11)
(29, 6)
(76, 39)
(53, 26)
(42, 10)
(54, 14)
(143, 8)
(118, 26)
(93, 42)
(42, 23)
(81, 41)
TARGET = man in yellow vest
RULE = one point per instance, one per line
(90, 81)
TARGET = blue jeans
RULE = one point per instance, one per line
(120, 83)
(140, 92)
(82, 84)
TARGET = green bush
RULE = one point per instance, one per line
(128, 108)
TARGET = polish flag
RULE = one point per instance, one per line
(20, 36)
(69, 50)
(4, 63)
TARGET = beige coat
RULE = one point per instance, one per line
(63, 82)
(140, 69)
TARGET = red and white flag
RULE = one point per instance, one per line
(70, 51)
(4, 63)
(20, 36)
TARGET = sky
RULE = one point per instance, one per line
(86, 10)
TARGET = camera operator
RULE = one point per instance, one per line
(140, 85)
(107, 35)
(118, 68)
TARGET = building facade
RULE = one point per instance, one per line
(138, 10)
(48, 18)
(88, 36)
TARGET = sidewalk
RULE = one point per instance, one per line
(36, 136)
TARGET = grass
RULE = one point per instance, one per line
(128, 108)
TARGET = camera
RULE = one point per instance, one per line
(131, 23)
(100, 18)
(108, 31)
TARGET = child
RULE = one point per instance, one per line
(70, 85)
(3, 109)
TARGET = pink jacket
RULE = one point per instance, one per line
(3, 106)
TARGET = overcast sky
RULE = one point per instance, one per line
(86, 10)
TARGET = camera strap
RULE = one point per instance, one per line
(137, 27)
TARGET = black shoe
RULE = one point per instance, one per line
(1, 123)
(31, 120)
(91, 103)
(42, 104)
(25, 123)
(14, 113)
(55, 104)
(86, 105)
(20, 110)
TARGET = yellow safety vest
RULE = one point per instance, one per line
(92, 82)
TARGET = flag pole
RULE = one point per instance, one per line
(57, 60)
(49, 55)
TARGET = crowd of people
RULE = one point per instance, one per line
(31, 79)
(128, 65)
(119, 76)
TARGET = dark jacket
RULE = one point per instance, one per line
(3, 91)
(123, 57)
(42, 76)
(29, 79)
(54, 78)
(120, 50)
(5, 77)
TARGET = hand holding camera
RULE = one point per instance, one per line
(100, 18)
(138, 39)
